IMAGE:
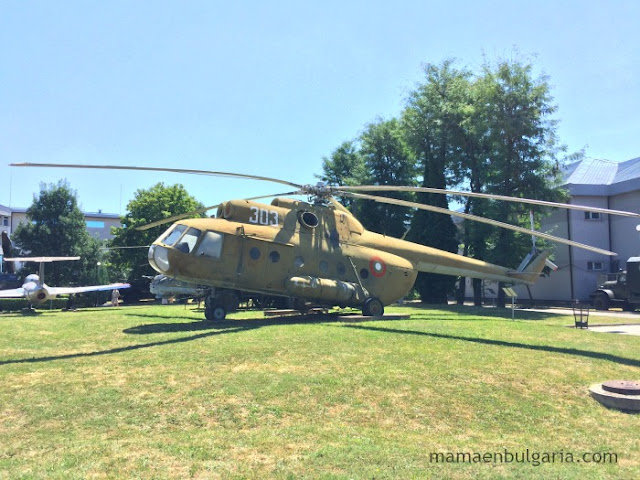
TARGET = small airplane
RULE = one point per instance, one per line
(37, 292)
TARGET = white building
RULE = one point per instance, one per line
(98, 224)
(597, 183)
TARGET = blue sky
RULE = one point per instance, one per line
(269, 88)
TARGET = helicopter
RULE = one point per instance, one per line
(316, 250)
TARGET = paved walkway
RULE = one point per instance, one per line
(628, 329)
(629, 321)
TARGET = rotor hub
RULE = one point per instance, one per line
(319, 193)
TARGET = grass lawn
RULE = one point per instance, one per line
(154, 392)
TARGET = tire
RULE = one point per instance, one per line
(601, 302)
(373, 308)
(215, 313)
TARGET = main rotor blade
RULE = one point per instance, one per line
(403, 203)
(528, 201)
(160, 169)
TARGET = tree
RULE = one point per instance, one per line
(378, 157)
(130, 246)
(56, 227)
(522, 151)
(387, 161)
(432, 124)
(345, 166)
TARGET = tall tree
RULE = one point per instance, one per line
(56, 227)
(432, 124)
(345, 166)
(129, 246)
(378, 157)
(387, 161)
(521, 146)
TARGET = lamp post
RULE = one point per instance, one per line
(98, 282)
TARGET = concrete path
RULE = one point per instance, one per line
(628, 329)
(629, 321)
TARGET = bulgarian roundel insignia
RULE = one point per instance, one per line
(377, 267)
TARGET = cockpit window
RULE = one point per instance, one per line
(211, 245)
(172, 236)
(189, 240)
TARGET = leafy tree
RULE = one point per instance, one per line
(56, 227)
(378, 157)
(432, 124)
(514, 111)
(387, 161)
(130, 246)
(345, 166)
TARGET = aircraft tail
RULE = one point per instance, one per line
(532, 272)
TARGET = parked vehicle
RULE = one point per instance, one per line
(620, 289)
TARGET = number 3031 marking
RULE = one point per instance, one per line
(262, 216)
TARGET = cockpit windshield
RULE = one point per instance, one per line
(188, 241)
(185, 239)
(172, 235)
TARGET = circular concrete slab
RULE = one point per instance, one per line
(619, 401)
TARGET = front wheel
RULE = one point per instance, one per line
(373, 308)
(215, 313)
(601, 302)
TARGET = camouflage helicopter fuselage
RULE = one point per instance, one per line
(312, 252)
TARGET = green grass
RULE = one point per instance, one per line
(153, 392)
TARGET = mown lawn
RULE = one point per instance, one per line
(154, 392)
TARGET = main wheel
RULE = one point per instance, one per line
(215, 313)
(601, 302)
(373, 308)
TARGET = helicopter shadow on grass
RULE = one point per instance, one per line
(468, 313)
(111, 351)
(228, 325)
(502, 343)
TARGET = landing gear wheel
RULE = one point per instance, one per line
(215, 313)
(601, 302)
(373, 308)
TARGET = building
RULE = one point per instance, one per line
(596, 183)
(98, 224)
(5, 218)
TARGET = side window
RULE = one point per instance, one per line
(173, 235)
(211, 245)
(189, 240)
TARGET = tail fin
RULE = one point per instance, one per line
(531, 274)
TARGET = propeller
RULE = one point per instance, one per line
(324, 192)
(161, 169)
(468, 216)
(529, 201)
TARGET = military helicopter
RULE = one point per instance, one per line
(315, 250)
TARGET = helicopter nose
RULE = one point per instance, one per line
(159, 258)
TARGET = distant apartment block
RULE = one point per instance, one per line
(98, 224)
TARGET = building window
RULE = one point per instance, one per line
(5, 221)
(94, 224)
(592, 215)
(595, 266)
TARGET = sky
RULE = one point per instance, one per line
(270, 88)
